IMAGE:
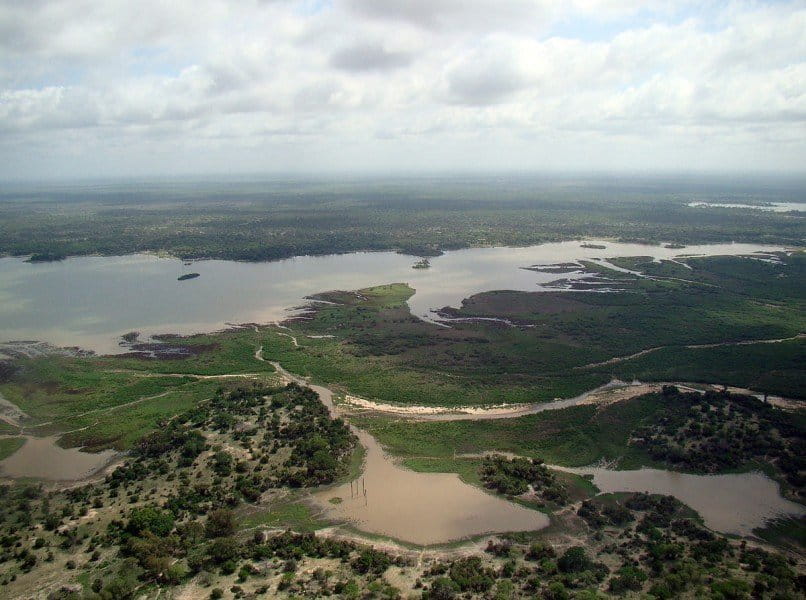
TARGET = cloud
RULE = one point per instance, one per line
(521, 82)
(368, 57)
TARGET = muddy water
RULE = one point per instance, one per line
(733, 503)
(41, 458)
(419, 508)
(90, 301)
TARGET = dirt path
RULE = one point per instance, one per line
(100, 410)
(193, 375)
(11, 413)
(618, 359)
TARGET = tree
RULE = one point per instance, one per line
(574, 560)
(220, 523)
(159, 522)
(442, 589)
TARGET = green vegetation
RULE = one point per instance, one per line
(561, 343)
(9, 446)
(575, 436)
(273, 219)
(517, 476)
(712, 432)
(110, 402)
(715, 432)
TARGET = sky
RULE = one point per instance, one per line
(108, 88)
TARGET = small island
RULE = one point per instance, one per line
(188, 276)
(423, 263)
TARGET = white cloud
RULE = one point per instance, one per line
(399, 84)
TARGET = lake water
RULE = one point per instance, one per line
(732, 503)
(91, 301)
(42, 458)
(419, 508)
(780, 207)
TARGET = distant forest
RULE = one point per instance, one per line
(273, 219)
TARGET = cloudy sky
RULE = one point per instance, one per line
(115, 87)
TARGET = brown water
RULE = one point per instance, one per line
(732, 503)
(41, 458)
(100, 298)
(420, 508)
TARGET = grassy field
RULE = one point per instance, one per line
(575, 436)
(110, 402)
(230, 351)
(9, 446)
(378, 350)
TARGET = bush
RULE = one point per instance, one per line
(220, 523)
(371, 561)
(627, 579)
(441, 589)
(574, 560)
(158, 522)
(469, 575)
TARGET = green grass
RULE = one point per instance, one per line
(294, 514)
(773, 368)
(56, 388)
(9, 446)
(786, 531)
(230, 351)
(121, 428)
(575, 436)
(6, 428)
(466, 468)
(110, 402)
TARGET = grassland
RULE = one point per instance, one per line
(575, 436)
(562, 343)
(110, 402)
(9, 446)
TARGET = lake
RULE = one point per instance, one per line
(731, 503)
(90, 301)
